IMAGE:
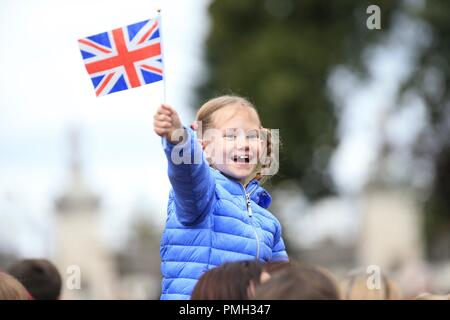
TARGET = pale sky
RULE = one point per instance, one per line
(45, 90)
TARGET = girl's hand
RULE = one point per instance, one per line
(167, 124)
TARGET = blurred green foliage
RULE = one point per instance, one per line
(278, 54)
(435, 142)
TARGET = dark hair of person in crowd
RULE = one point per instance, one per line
(12, 289)
(299, 283)
(39, 276)
(274, 266)
(229, 281)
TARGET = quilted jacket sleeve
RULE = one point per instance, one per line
(279, 251)
(191, 179)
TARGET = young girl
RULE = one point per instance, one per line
(217, 210)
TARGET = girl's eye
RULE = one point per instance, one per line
(252, 135)
(229, 136)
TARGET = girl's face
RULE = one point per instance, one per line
(233, 145)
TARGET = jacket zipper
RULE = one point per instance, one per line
(250, 214)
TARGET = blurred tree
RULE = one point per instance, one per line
(431, 80)
(278, 54)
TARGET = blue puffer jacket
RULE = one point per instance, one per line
(211, 219)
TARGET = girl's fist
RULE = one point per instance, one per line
(167, 123)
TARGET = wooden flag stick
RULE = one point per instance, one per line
(162, 54)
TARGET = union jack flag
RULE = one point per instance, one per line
(124, 58)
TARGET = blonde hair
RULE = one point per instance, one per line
(355, 287)
(208, 109)
(12, 289)
(430, 296)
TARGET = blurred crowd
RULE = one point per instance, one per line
(39, 279)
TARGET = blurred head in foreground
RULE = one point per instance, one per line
(39, 276)
(430, 296)
(366, 286)
(230, 281)
(299, 283)
(11, 288)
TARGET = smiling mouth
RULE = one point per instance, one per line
(241, 159)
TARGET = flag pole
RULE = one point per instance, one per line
(162, 54)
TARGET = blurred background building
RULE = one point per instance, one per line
(131, 273)
(77, 242)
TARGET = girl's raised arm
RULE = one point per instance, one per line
(189, 173)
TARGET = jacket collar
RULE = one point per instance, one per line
(257, 193)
